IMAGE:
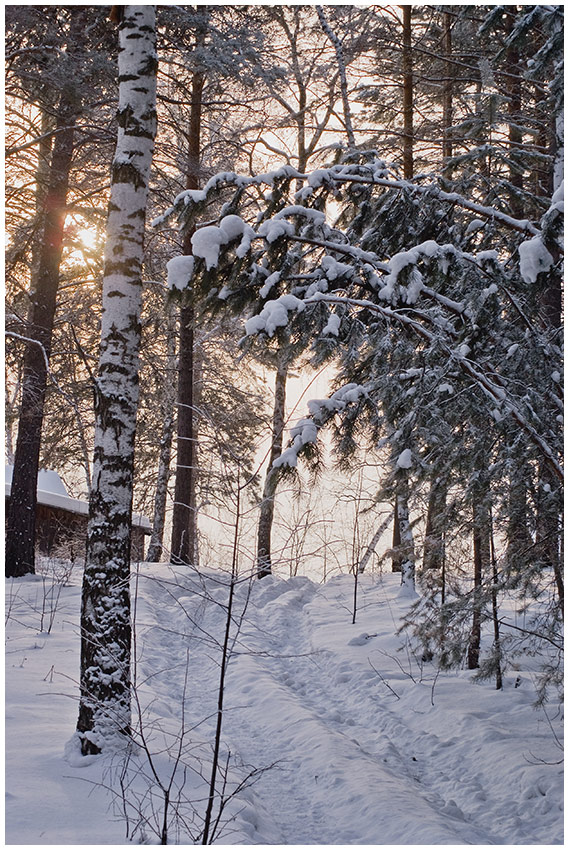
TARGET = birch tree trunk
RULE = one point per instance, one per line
(104, 708)
(370, 549)
(21, 516)
(264, 566)
(407, 541)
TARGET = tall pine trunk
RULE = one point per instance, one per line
(396, 540)
(433, 547)
(481, 555)
(165, 453)
(447, 88)
(513, 84)
(104, 708)
(21, 516)
(184, 546)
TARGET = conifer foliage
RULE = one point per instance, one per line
(431, 303)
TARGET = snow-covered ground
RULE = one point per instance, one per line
(339, 735)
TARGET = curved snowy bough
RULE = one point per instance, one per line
(290, 260)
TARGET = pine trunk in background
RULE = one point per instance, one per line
(519, 542)
(497, 647)
(433, 547)
(396, 559)
(104, 708)
(21, 514)
(264, 566)
(407, 95)
(165, 454)
(548, 536)
(184, 546)
(513, 85)
(447, 88)
(481, 555)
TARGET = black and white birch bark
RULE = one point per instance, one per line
(407, 549)
(266, 515)
(104, 707)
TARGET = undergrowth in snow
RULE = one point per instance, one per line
(333, 733)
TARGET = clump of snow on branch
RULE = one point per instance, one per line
(321, 411)
(271, 281)
(334, 269)
(272, 230)
(207, 241)
(534, 259)
(405, 459)
(332, 326)
(273, 315)
(180, 270)
(403, 260)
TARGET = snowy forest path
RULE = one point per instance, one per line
(343, 730)
(344, 764)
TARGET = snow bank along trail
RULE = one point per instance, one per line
(365, 746)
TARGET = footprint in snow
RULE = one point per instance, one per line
(360, 640)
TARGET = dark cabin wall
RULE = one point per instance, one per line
(63, 534)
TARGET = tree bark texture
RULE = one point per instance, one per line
(447, 88)
(104, 708)
(515, 137)
(396, 541)
(165, 453)
(184, 546)
(433, 547)
(20, 526)
(481, 555)
(407, 548)
(183, 520)
(407, 95)
(264, 530)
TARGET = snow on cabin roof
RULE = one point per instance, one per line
(53, 493)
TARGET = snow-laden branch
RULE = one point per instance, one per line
(432, 189)
(31, 341)
(372, 174)
(495, 393)
(321, 412)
